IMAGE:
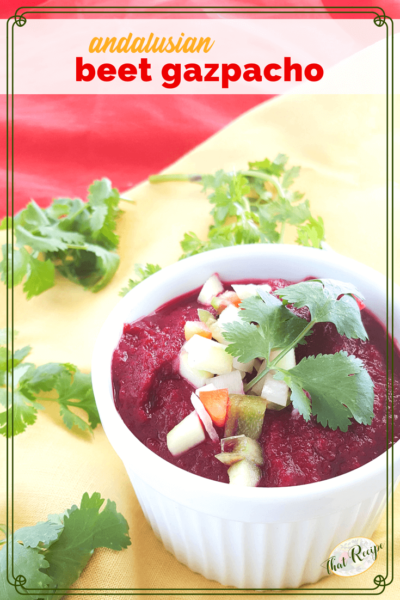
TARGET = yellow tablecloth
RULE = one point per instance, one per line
(340, 143)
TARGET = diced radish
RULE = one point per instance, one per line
(244, 473)
(246, 291)
(275, 391)
(266, 287)
(209, 387)
(230, 315)
(205, 417)
(211, 288)
(242, 374)
(216, 404)
(208, 355)
(196, 328)
(226, 299)
(232, 382)
(206, 317)
(187, 434)
(244, 447)
(360, 303)
(231, 297)
(246, 367)
(196, 377)
(257, 387)
(287, 362)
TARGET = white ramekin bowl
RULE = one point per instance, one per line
(249, 537)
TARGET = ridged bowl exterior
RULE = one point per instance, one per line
(245, 537)
(254, 555)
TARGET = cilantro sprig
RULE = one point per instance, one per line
(142, 272)
(77, 238)
(52, 554)
(338, 384)
(73, 389)
(252, 206)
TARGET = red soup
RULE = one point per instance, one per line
(152, 398)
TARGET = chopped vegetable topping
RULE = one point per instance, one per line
(258, 334)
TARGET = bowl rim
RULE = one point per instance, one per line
(196, 483)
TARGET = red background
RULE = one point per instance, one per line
(62, 143)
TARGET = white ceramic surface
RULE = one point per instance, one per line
(249, 537)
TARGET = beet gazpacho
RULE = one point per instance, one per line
(262, 384)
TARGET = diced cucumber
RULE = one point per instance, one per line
(187, 434)
(229, 458)
(208, 355)
(287, 362)
(211, 288)
(244, 473)
(217, 333)
(244, 446)
(206, 317)
(196, 377)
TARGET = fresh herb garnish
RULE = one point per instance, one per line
(252, 206)
(142, 272)
(52, 554)
(77, 238)
(74, 390)
(338, 384)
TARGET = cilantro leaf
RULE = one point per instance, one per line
(41, 535)
(251, 207)
(78, 238)
(74, 390)
(328, 301)
(142, 272)
(277, 167)
(51, 555)
(38, 242)
(339, 386)
(277, 327)
(27, 562)
(76, 394)
(85, 529)
(25, 405)
(3, 336)
(103, 201)
(311, 233)
(13, 361)
(40, 277)
(20, 264)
